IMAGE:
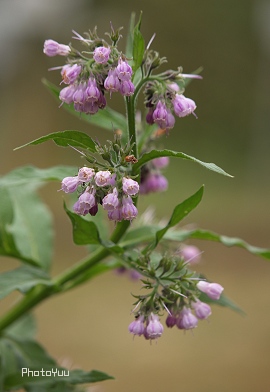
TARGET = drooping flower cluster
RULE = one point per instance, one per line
(164, 98)
(103, 187)
(88, 78)
(180, 296)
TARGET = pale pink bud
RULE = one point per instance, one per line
(137, 326)
(92, 92)
(154, 327)
(112, 83)
(191, 254)
(202, 310)
(124, 70)
(127, 88)
(66, 94)
(85, 202)
(212, 290)
(116, 214)
(129, 211)
(183, 106)
(186, 320)
(70, 184)
(161, 162)
(70, 73)
(160, 115)
(53, 48)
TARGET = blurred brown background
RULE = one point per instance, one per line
(231, 40)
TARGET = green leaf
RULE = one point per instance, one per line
(85, 232)
(26, 225)
(30, 174)
(76, 376)
(22, 279)
(222, 301)
(129, 45)
(168, 153)
(200, 234)
(24, 328)
(106, 118)
(179, 213)
(138, 46)
(66, 139)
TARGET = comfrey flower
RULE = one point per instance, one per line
(101, 54)
(102, 178)
(70, 73)
(154, 182)
(53, 48)
(70, 184)
(110, 202)
(186, 320)
(183, 106)
(85, 202)
(137, 326)
(130, 187)
(191, 254)
(154, 328)
(212, 290)
(202, 310)
(129, 211)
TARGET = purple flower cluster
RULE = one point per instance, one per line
(102, 188)
(161, 104)
(185, 316)
(151, 178)
(88, 80)
(150, 327)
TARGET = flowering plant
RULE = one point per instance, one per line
(107, 187)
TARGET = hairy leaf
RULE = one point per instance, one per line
(169, 153)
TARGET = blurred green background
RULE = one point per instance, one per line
(88, 326)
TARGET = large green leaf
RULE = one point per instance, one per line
(66, 139)
(179, 213)
(107, 118)
(138, 47)
(30, 174)
(68, 377)
(22, 279)
(169, 153)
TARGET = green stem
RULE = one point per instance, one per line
(131, 123)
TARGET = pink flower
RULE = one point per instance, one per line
(53, 48)
(101, 54)
(130, 187)
(70, 184)
(110, 201)
(202, 310)
(129, 211)
(70, 73)
(161, 162)
(86, 174)
(84, 204)
(186, 320)
(213, 290)
(124, 70)
(160, 115)
(183, 106)
(112, 83)
(102, 178)
(66, 94)
(92, 92)
(191, 254)
(137, 326)
(154, 327)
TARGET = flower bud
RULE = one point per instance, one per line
(183, 106)
(70, 73)
(154, 327)
(110, 201)
(124, 70)
(186, 319)
(53, 48)
(161, 162)
(70, 184)
(202, 310)
(137, 326)
(191, 254)
(212, 290)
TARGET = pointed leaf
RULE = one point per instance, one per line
(138, 47)
(222, 301)
(74, 377)
(168, 153)
(24, 328)
(180, 212)
(66, 139)
(200, 234)
(129, 45)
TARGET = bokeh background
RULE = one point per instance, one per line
(88, 326)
